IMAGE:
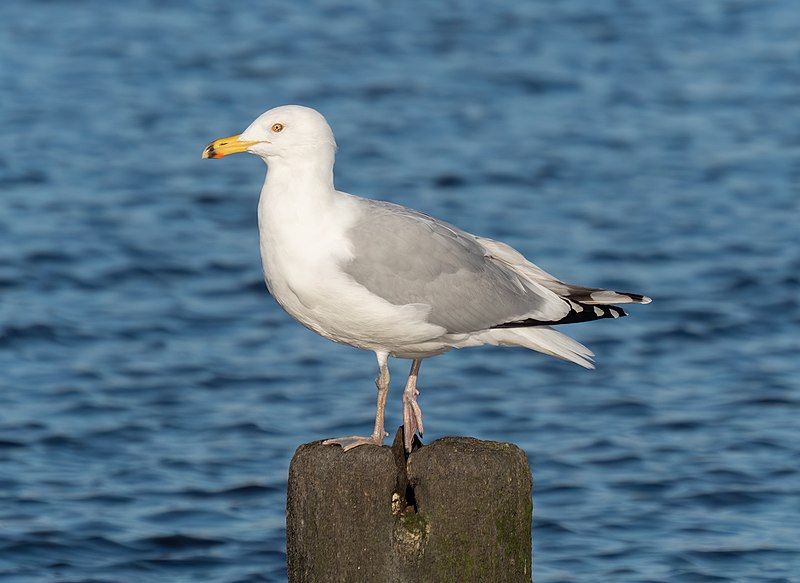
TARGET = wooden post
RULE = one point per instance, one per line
(456, 510)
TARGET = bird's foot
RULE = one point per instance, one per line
(412, 418)
(352, 441)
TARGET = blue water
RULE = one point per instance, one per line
(152, 393)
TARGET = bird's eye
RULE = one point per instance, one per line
(277, 127)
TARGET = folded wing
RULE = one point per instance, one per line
(407, 257)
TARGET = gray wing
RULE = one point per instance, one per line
(407, 257)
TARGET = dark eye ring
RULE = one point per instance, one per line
(277, 127)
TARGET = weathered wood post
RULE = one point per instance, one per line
(456, 510)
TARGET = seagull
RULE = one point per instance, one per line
(382, 277)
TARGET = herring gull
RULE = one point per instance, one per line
(382, 277)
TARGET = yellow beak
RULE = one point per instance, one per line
(226, 146)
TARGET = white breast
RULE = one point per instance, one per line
(298, 246)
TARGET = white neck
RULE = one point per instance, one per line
(297, 199)
(302, 182)
(297, 220)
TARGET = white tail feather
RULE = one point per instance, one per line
(541, 339)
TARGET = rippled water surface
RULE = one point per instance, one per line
(152, 393)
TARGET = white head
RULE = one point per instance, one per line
(287, 132)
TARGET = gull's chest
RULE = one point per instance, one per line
(300, 251)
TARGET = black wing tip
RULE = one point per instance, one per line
(637, 298)
(602, 297)
(588, 313)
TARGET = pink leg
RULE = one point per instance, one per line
(378, 433)
(412, 414)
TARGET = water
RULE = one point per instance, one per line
(152, 393)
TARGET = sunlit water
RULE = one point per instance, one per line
(152, 393)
